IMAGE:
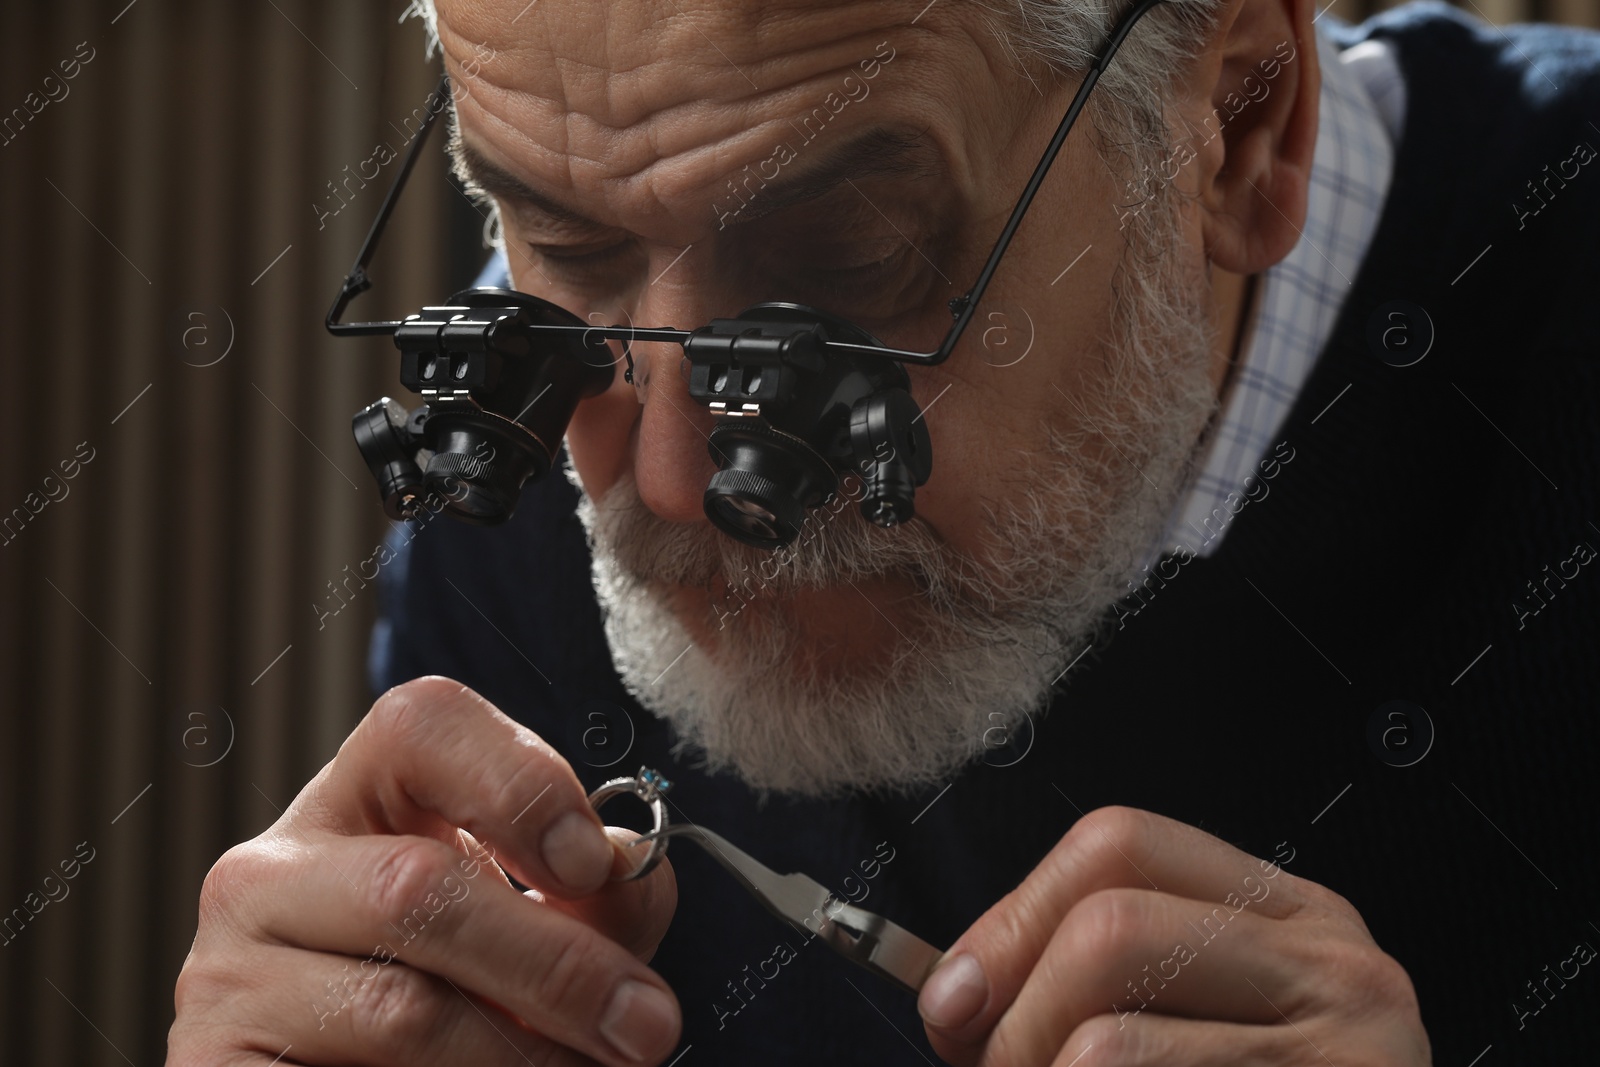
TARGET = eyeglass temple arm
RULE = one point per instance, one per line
(357, 282)
(963, 307)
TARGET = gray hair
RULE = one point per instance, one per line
(1128, 106)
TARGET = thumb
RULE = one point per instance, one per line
(633, 914)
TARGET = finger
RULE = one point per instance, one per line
(634, 914)
(479, 856)
(1134, 952)
(1152, 1040)
(407, 899)
(334, 1009)
(432, 756)
(1106, 849)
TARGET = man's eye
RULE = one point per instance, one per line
(840, 276)
(584, 264)
(878, 291)
(860, 272)
(569, 254)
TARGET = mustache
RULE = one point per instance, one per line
(835, 545)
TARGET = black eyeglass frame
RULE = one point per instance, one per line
(962, 308)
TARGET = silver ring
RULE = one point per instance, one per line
(650, 787)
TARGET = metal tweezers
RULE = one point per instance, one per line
(869, 940)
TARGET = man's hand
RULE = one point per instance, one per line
(1140, 940)
(370, 925)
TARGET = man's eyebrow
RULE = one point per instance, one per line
(880, 152)
(747, 195)
(482, 176)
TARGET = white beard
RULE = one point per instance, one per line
(985, 641)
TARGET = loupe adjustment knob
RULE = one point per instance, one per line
(894, 453)
(389, 447)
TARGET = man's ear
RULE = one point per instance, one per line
(1248, 107)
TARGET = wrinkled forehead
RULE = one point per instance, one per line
(621, 62)
(644, 102)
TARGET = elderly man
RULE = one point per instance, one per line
(1261, 470)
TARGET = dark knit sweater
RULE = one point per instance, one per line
(1392, 560)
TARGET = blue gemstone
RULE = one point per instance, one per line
(653, 781)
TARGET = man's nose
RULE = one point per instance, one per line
(672, 461)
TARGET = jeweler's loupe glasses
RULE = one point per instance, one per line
(801, 396)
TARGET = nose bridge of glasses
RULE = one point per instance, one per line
(689, 285)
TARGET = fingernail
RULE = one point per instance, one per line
(956, 992)
(577, 853)
(641, 1022)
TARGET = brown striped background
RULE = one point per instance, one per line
(160, 614)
